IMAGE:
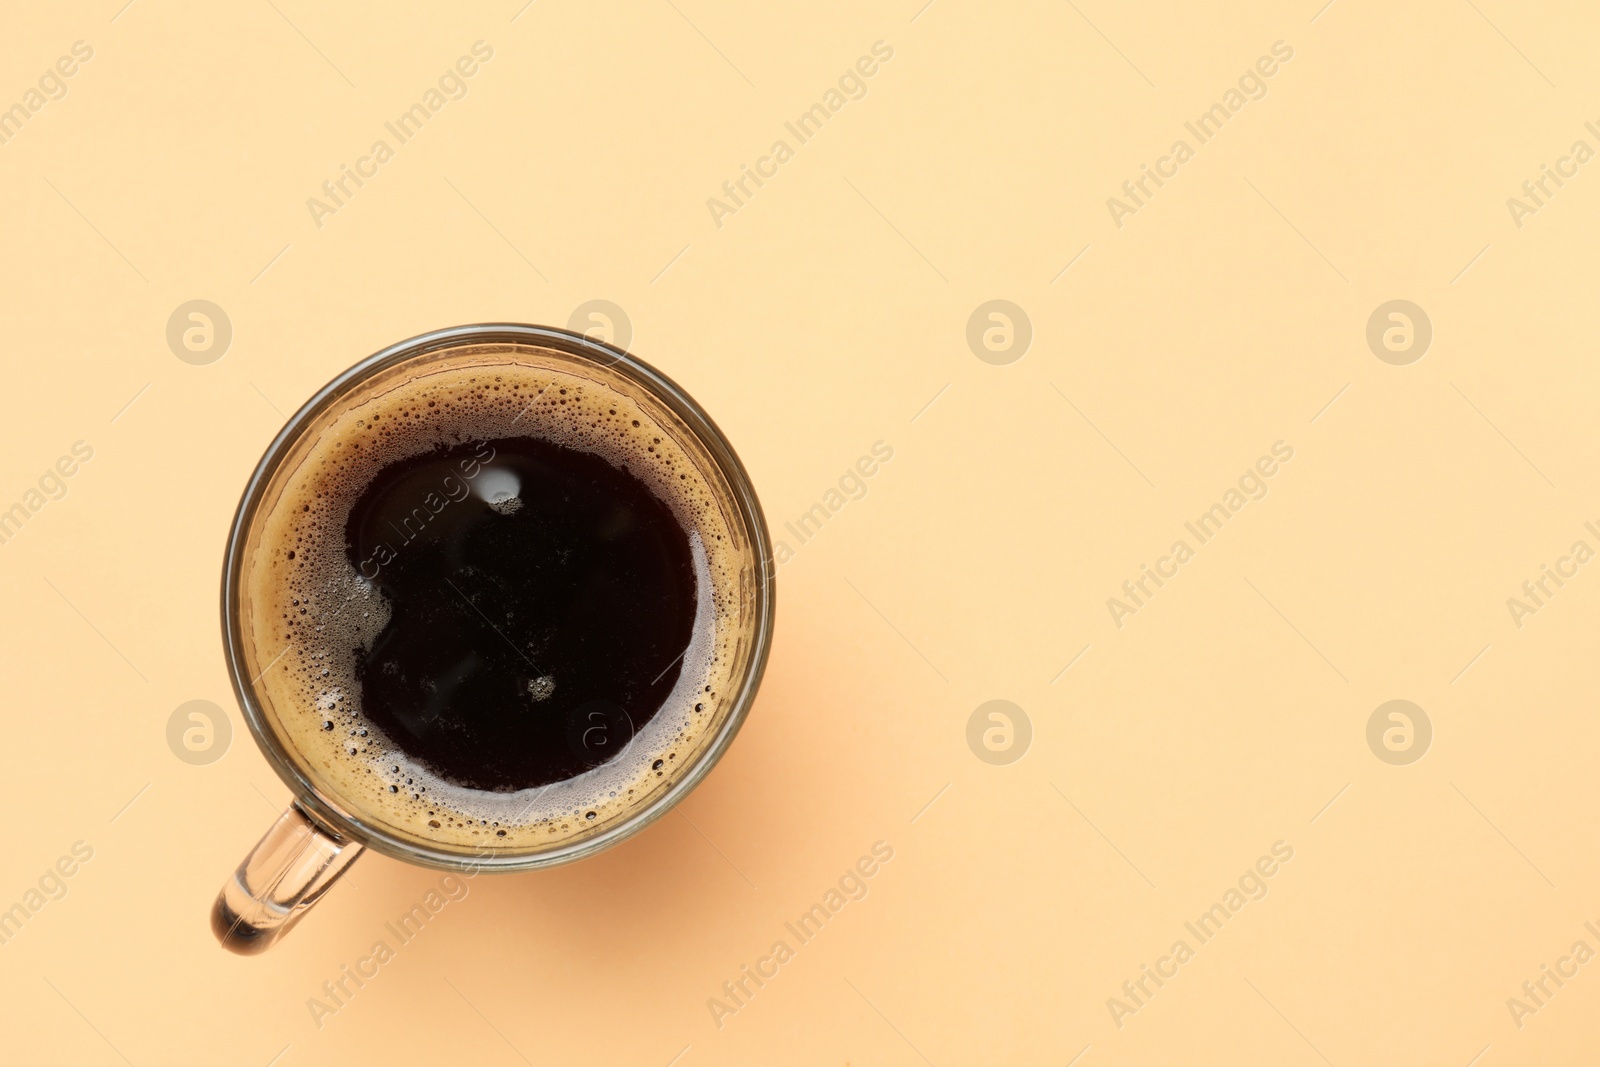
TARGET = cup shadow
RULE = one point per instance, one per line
(663, 887)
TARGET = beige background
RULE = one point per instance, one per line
(1230, 713)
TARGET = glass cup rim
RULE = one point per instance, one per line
(326, 810)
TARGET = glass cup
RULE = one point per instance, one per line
(320, 834)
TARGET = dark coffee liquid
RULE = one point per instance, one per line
(540, 604)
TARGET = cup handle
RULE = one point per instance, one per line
(287, 872)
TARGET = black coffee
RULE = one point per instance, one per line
(540, 602)
(498, 604)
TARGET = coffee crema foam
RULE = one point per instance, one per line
(310, 610)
